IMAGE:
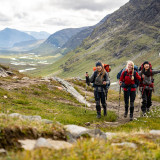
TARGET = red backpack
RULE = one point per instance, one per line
(106, 67)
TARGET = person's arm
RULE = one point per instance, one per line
(121, 78)
(155, 71)
(91, 79)
(138, 76)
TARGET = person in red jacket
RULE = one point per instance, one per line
(127, 81)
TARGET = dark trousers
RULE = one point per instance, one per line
(100, 97)
(129, 95)
(146, 100)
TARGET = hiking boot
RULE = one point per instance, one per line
(98, 115)
(144, 113)
(131, 117)
(126, 111)
(125, 114)
(105, 112)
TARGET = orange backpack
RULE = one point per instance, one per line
(106, 67)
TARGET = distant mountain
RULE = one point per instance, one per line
(57, 40)
(39, 35)
(8, 37)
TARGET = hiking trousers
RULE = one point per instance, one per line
(129, 95)
(100, 97)
(146, 100)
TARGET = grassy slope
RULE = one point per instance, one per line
(40, 100)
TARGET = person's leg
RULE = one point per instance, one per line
(98, 107)
(144, 101)
(126, 100)
(103, 101)
(149, 101)
(132, 99)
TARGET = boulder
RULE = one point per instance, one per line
(25, 78)
(44, 143)
(156, 132)
(126, 144)
(74, 132)
(3, 73)
(72, 91)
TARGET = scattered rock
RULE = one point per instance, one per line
(47, 121)
(3, 73)
(3, 151)
(74, 132)
(42, 142)
(10, 73)
(15, 77)
(32, 118)
(27, 144)
(25, 78)
(110, 135)
(15, 115)
(45, 80)
(157, 132)
(5, 97)
(87, 123)
(127, 144)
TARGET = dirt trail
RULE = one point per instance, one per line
(114, 106)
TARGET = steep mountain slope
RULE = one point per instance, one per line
(77, 39)
(8, 37)
(132, 32)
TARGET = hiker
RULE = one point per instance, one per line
(128, 80)
(100, 79)
(146, 85)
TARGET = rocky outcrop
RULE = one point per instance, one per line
(3, 73)
(44, 143)
(69, 88)
(75, 132)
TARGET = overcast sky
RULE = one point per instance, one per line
(54, 15)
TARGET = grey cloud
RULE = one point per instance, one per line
(4, 18)
(57, 22)
(21, 15)
(87, 4)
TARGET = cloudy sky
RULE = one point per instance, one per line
(54, 15)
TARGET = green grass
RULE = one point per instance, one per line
(147, 148)
(52, 104)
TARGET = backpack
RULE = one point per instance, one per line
(119, 73)
(107, 67)
(140, 69)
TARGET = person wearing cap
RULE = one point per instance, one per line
(128, 82)
(146, 85)
(99, 78)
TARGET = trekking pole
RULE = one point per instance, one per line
(119, 100)
(86, 93)
(85, 97)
